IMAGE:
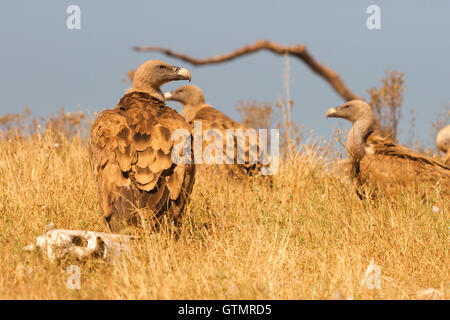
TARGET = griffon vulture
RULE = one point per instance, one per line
(130, 152)
(196, 110)
(443, 143)
(379, 161)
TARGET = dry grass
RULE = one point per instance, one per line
(307, 237)
(255, 114)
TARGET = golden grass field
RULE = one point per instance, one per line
(309, 237)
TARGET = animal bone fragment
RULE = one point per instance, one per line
(81, 245)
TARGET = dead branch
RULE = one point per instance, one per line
(298, 51)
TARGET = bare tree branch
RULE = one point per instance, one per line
(298, 51)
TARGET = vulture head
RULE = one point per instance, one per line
(361, 115)
(186, 95)
(352, 111)
(443, 139)
(443, 143)
(151, 75)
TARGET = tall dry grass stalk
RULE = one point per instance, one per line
(261, 115)
(289, 132)
(305, 238)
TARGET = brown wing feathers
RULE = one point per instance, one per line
(214, 119)
(384, 146)
(390, 165)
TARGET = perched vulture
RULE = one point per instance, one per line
(380, 162)
(130, 152)
(195, 110)
(443, 143)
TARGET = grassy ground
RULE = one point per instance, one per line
(309, 237)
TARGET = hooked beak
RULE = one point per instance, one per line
(183, 74)
(331, 113)
(168, 95)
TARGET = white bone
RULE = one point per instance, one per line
(81, 245)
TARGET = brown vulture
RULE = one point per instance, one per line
(380, 162)
(196, 110)
(443, 143)
(130, 152)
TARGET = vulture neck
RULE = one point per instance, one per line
(357, 138)
(189, 111)
(153, 92)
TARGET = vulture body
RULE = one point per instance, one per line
(380, 162)
(196, 110)
(443, 143)
(130, 152)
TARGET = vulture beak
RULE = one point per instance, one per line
(331, 113)
(183, 74)
(168, 95)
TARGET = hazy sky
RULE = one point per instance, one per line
(45, 65)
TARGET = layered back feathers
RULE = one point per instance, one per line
(130, 151)
(389, 165)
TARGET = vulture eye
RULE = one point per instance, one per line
(347, 106)
(161, 66)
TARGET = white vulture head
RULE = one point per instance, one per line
(352, 111)
(364, 122)
(151, 75)
(443, 143)
(186, 95)
(443, 139)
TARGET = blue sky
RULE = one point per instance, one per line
(45, 65)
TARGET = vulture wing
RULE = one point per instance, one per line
(130, 152)
(389, 165)
(249, 149)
